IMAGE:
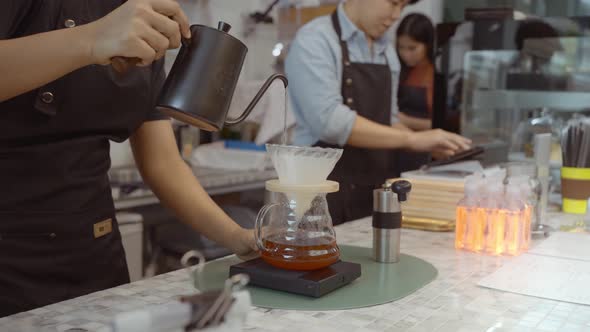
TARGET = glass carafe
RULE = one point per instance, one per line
(295, 231)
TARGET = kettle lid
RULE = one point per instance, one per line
(223, 26)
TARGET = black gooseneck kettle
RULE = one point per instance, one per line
(203, 78)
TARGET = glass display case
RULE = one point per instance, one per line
(501, 82)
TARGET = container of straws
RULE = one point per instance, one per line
(575, 173)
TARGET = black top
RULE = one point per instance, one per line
(413, 101)
(54, 140)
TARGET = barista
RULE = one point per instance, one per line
(60, 104)
(343, 76)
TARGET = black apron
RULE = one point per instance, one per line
(366, 88)
(58, 234)
(412, 101)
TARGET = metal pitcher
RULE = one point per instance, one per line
(203, 78)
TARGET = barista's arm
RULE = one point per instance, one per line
(314, 87)
(369, 134)
(414, 123)
(23, 69)
(401, 126)
(137, 29)
(173, 182)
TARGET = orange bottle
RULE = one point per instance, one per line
(460, 225)
(527, 224)
(466, 214)
(479, 229)
(499, 244)
(491, 217)
(515, 223)
(524, 184)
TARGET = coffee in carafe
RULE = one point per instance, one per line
(303, 254)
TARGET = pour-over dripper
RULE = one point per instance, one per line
(303, 165)
(297, 165)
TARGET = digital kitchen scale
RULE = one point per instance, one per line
(315, 283)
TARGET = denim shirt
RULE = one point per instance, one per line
(314, 70)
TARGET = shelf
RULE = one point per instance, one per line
(519, 156)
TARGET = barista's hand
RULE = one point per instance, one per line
(244, 244)
(140, 29)
(441, 154)
(439, 142)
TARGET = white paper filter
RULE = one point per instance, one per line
(296, 165)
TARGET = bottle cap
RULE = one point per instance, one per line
(513, 191)
(525, 189)
(472, 184)
(518, 179)
(493, 185)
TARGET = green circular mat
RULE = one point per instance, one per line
(378, 284)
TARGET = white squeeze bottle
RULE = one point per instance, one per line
(492, 218)
(467, 212)
(515, 223)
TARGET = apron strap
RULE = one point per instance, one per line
(343, 44)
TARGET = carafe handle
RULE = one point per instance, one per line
(265, 86)
(259, 222)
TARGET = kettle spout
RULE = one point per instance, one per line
(265, 86)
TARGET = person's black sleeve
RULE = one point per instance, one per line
(14, 15)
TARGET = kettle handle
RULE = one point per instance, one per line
(265, 86)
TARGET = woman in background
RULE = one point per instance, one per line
(414, 45)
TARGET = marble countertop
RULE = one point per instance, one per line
(452, 302)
